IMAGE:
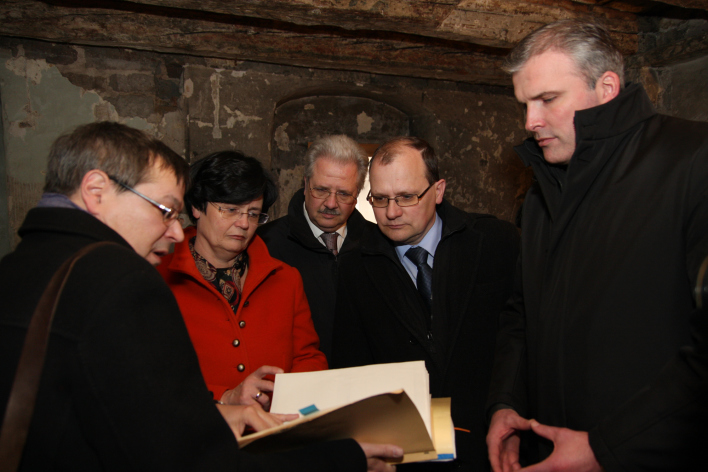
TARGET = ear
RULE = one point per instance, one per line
(607, 87)
(439, 191)
(196, 213)
(94, 190)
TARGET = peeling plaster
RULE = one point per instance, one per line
(281, 138)
(240, 117)
(238, 73)
(140, 123)
(214, 79)
(363, 123)
(309, 106)
(188, 88)
(39, 104)
(31, 69)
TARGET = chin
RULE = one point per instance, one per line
(153, 259)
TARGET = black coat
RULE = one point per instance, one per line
(381, 317)
(121, 387)
(598, 337)
(290, 239)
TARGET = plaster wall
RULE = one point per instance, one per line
(199, 105)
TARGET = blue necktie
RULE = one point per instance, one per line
(419, 256)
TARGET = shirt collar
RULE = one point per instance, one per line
(430, 240)
(57, 200)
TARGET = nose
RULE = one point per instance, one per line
(242, 221)
(393, 211)
(174, 231)
(331, 201)
(534, 118)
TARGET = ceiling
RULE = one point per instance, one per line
(441, 39)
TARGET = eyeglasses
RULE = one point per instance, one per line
(168, 214)
(401, 200)
(322, 193)
(233, 214)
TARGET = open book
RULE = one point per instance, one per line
(381, 403)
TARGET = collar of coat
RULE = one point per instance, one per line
(613, 118)
(260, 264)
(69, 221)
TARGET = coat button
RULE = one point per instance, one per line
(242, 324)
(240, 367)
(245, 304)
(236, 343)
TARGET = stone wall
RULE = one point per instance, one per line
(198, 105)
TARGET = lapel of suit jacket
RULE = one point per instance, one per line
(394, 287)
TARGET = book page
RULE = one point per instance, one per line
(389, 418)
(333, 388)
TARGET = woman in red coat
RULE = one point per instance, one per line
(246, 313)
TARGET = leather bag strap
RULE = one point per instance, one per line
(23, 394)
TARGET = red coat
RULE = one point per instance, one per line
(271, 327)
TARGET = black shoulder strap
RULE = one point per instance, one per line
(23, 394)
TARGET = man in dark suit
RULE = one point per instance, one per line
(335, 171)
(428, 285)
(121, 387)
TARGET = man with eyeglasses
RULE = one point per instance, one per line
(322, 224)
(121, 387)
(428, 285)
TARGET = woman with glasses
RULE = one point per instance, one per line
(245, 311)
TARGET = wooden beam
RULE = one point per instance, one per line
(495, 23)
(226, 37)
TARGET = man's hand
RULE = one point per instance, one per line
(377, 454)
(503, 440)
(240, 416)
(571, 450)
(253, 389)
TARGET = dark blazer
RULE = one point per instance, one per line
(290, 239)
(598, 337)
(121, 387)
(381, 317)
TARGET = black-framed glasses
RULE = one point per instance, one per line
(322, 193)
(168, 214)
(401, 200)
(233, 214)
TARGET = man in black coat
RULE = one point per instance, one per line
(597, 345)
(443, 311)
(335, 171)
(121, 387)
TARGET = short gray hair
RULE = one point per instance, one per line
(588, 43)
(341, 149)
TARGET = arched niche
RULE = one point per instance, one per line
(299, 121)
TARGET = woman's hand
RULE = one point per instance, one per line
(377, 456)
(240, 416)
(253, 390)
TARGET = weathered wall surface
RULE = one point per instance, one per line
(200, 105)
(47, 89)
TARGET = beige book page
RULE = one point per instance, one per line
(329, 389)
